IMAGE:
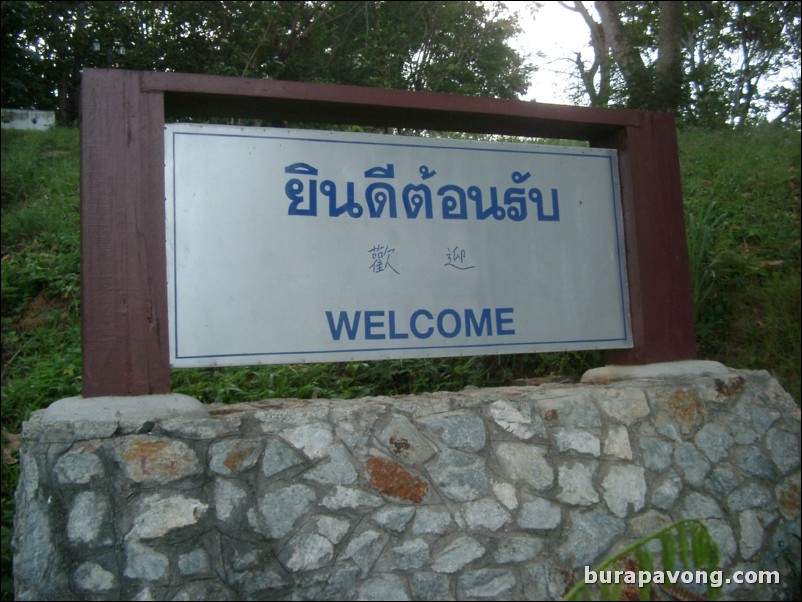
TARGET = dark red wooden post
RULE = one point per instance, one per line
(654, 229)
(123, 269)
(125, 347)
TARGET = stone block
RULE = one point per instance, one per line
(517, 418)
(147, 459)
(526, 463)
(460, 476)
(232, 456)
(465, 432)
(402, 439)
(458, 554)
(625, 489)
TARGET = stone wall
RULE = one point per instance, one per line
(481, 494)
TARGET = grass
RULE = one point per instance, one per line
(742, 198)
(742, 195)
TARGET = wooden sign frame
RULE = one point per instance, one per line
(123, 258)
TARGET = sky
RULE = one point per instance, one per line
(557, 33)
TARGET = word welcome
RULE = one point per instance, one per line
(381, 197)
(376, 325)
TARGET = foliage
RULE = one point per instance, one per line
(742, 200)
(713, 63)
(702, 225)
(686, 541)
(435, 45)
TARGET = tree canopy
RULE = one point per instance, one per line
(713, 63)
(440, 46)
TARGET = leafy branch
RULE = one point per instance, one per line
(686, 540)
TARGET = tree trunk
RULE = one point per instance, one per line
(629, 60)
(668, 67)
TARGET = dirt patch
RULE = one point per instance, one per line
(43, 312)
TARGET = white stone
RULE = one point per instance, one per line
(348, 497)
(431, 521)
(364, 549)
(577, 440)
(505, 493)
(751, 534)
(87, 516)
(617, 443)
(623, 405)
(576, 485)
(313, 439)
(528, 463)
(486, 513)
(516, 419)
(159, 515)
(333, 529)
(94, 578)
(625, 489)
(306, 552)
(402, 438)
(78, 466)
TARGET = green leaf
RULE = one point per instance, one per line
(692, 535)
(669, 552)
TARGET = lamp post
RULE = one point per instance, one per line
(119, 50)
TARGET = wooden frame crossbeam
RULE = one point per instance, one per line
(123, 258)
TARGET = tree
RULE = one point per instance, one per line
(435, 45)
(710, 62)
(618, 39)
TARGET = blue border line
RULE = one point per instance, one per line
(416, 348)
(606, 156)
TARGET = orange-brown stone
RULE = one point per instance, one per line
(235, 459)
(788, 497)
(393, 479)
(155, 459)
(686, 407)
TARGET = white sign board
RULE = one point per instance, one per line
(309, 246)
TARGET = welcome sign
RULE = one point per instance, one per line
(308, 246)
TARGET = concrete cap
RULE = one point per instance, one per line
(608, 374)
(136, 408)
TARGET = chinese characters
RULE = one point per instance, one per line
(381, 259)
(456, 258)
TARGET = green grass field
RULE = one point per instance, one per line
(742, 196)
